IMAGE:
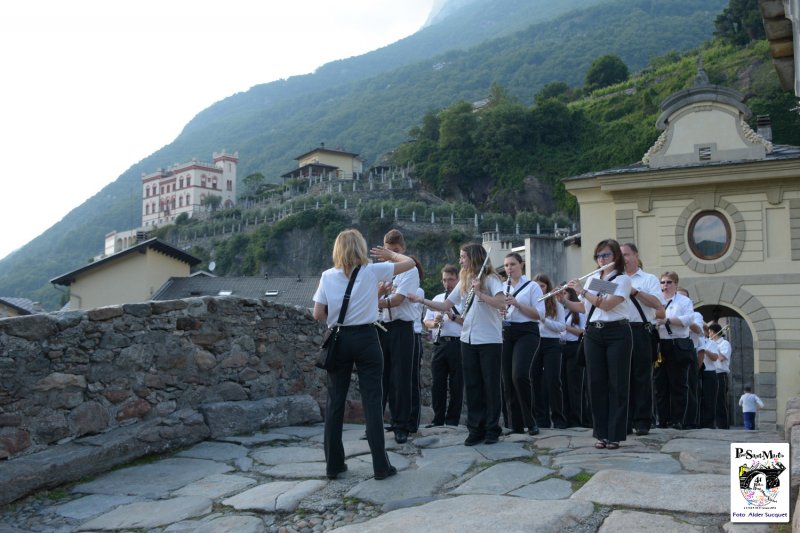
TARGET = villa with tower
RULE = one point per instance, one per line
(183, 188)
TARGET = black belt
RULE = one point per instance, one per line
(508, 324)
(637, 324)
(572, 342)
(360, 326)
(599, 324)
(449, 339)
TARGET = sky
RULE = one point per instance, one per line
(91, 87)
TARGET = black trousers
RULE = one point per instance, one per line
(398, 370)
(721, 416)
(546, 373)
(708, 398)
(692, 418)
(415, 398)
(672, 385)
(520, 341)
(608, 363)
(446, 374)
(640, 406)
(576, 395)
(481, 365)
(359, 346)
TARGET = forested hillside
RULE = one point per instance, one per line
(361, 105)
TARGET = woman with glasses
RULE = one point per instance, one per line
(481, 341)
(607, 343)
(677, 355)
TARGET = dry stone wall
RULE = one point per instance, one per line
(73, 374)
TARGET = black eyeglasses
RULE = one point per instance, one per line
(667, 282)
(604, 255)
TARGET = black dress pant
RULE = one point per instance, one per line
(481, 365)
(415, 398)
(692, 418)
(708, 399)
(608, 363)
(721, 416)
(547, 362)
(640, 407)
(520, 341)
(359, 346)
(397, 343)
(576, 404)
(672, 392)
(446, 374)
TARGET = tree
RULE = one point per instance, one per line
(740, 23)
(606, 70)
(252, 183)
(555, 89)
(212, 202)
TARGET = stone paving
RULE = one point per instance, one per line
(275, 481)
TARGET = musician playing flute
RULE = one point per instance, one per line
(607, 344)
(723, 368)
(446, 361)
(520, 342)
(481, 294)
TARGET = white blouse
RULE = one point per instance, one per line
(619, 311)
(648, 284)
(551, 328)
(567, 336)
(482, 324)
(527, 296)
(363, 306)
(449, 327)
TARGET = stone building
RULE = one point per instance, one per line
(719, 204)
(183, 188)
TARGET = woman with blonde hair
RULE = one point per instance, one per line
(357, 343)
(480, 293)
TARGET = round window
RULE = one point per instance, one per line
(709, 235)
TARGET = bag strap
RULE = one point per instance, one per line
(347, 292)
(666, 324)
(520, 289)
(591, 311)
(639, 308)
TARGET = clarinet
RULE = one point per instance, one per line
(438, 334)
(471, 294)
(508, 293)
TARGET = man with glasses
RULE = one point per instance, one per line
(645, 305)
(677, 354)
(446, 360)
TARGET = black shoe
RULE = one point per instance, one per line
(472, 440)
(434, 425)
(383, 475)
(388, 428)
(335, 473)
(534, 430)
(400, 436)
(641, 431)
(676, 425)
(491, 439)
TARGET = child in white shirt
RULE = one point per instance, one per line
(748, 402)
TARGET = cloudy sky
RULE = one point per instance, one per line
(90, 87)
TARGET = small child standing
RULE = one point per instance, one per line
(748, 402)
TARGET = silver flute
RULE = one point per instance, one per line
(471, 294)
(561, 288)
(438, 334)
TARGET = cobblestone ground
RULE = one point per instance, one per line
(275, 482)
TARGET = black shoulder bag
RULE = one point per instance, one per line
(650, 328)
(326, 356)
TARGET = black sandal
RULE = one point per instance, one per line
(600, 445)
(612, 445)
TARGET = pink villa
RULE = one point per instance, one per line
(183, 187)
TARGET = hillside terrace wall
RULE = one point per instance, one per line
(67, 375)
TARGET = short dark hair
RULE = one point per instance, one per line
(393, 236)
(716, 328)
(748, 389)
(450, 269)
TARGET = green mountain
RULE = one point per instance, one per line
(367, 104)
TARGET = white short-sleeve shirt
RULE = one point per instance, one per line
(527, 296)
(482, 324)
(619, 311)
(567, 336)
(405, 284)
(710, 347)
(363, 306)
(682, 309)
(449, 328)
(648, 284)
(551, 328)
(418, 327)
(724, 366)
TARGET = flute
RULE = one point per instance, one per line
(471, 294)
(561, 288)
(718, 335)
(508, 293)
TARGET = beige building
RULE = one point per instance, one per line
(11, 306)
(720, 205)
(324, 162)
(130, 276)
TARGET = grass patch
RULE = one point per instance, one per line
(53, 495)
(580, 480)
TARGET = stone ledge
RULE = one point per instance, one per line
(233, 418)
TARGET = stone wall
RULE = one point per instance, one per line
(68, 375)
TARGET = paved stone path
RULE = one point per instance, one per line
(275, 482)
